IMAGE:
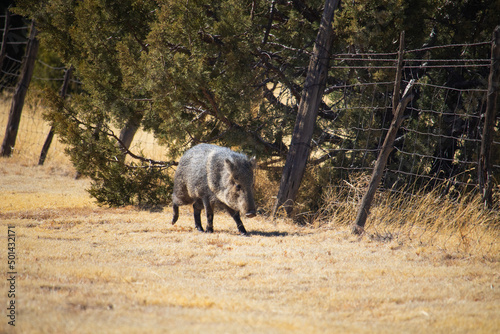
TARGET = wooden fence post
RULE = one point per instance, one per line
(399, 105)
(311, 97)
(484, 167)
(50, 136)
(16, 107)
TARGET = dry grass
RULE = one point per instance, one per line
(428, 219)
(33, 130)
(31, 134)
(86, 269)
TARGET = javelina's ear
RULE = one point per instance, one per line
(253, 161)
(229, 164)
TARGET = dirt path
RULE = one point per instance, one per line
(84, 269)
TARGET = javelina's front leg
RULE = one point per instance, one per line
(197, 207)
(237, 219)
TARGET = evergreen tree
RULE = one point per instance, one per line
(226, 71)
(188, 71)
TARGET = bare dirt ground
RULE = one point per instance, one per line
(85, 269)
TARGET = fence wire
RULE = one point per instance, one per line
(440, 137)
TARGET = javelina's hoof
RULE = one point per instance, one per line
(209, 230)
(200, 229)
(174, 219)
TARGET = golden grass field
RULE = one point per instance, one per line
(88, 269)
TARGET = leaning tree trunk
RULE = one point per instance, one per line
(50, 136)
(127, 134)
(310, 100)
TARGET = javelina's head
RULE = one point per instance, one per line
(239, 185)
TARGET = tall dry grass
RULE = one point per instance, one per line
(456, 223)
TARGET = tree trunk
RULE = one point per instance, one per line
(398, 108)
(378, 171)
(50, 136)
(127, 135)
(16, 108)
(308, 110)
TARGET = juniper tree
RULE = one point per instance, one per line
(228, 72)
(189, 72)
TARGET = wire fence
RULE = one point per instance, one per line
(16, 41)
(440, 138)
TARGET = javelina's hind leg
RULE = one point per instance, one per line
(175, 217)
(197, 207)
(237, 219)
(210, 217)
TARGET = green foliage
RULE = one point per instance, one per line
(187, 71)
(228, 72)
(93, 150)
(136, 184)
(49, 70)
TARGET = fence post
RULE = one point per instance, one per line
(50, 136)
(396, 95)
(3, 50)
(16, 107)
(484, 167)
(399, 105)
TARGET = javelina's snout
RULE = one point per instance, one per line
(248, 206)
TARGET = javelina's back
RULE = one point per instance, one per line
(209, 176)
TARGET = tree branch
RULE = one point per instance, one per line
(108, 132)
(266, 57)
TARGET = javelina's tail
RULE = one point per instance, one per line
(176, 214)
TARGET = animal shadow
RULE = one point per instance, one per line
(268, 234)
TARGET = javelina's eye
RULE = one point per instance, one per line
(238, 187)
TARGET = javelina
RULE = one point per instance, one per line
(211, 176)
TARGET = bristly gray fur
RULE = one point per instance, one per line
(210, 176)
